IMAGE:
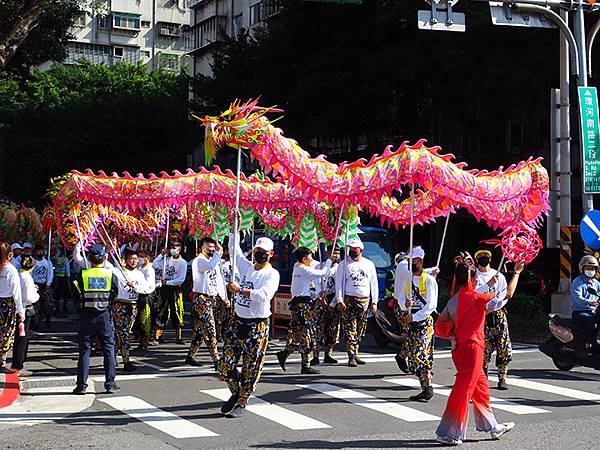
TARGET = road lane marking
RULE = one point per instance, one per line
(368, 401)
(543, 387)
(497, 403)
(276, 413)
(164, 421)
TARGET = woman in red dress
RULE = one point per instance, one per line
(462, 323)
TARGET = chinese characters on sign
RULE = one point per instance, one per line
(590, 131)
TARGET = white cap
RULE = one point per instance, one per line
(417, 252)
(265, 243)
(27, 245)
(356, 243)
(16, 246)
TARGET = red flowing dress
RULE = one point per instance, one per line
(471, 384)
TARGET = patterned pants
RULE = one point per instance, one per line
(327, 327)
(124, 314)
(223, 315)
(246, 338)
(170, 305)
(497, 339)
(354, 325)
(8, 322)
(45, 305)
(301, 332)
(418, 349)
(143, 323)
(204, 325)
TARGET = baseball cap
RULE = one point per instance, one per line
(265, 243)
(356, 243)
(27, 245)
(96, 251)
(16, 246)
(417, 252)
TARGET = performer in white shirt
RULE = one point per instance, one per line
(417, 301)
(43, 275)
(146, 300)
(328, 318)
(11, 306)
(223, 310)
(16, 249)
(208, 290)
(301, 332)
(248, 334)
(131, 283)
(171, 295)
(356, 290)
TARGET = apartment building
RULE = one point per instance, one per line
(149, 31)
(213, 20)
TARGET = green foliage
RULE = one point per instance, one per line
(91, 116)
(527, 314)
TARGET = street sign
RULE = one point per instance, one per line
(590, 229)
(504, 14)
(590, 135)
(439, 21)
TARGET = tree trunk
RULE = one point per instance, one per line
(30, 17)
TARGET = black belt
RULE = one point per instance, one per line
(255, 320)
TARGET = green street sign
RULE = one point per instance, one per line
(590, 139)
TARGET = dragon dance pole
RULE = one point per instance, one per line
(439, 258)
(235, 234)
(164, 274)
(80, 238)
(107, 244)
(411, 233)
(49, 242)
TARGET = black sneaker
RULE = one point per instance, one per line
(192, 362)
(502, 386)
(80, 390)
(306, 370)
(315, 361)
(360, 362)
(402, 365)
(424, 396)
(238, 411)
(216, 365)
(230, 404)
(113, 389)
(129, 367)
(281, 357)
(329, 359)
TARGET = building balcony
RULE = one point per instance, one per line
(206, 33)
(194, 3)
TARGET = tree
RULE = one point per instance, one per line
(91, 116)
(35, 31)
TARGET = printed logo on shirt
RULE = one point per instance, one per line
(357, 275)
(212, 278)
(39, 272)
(170, 272)
(240, 299)
(330, 284)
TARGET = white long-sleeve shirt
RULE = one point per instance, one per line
(356, 278)
(10, 286)
(420, 311)
(328, 281)
(29, 292)
(176, 269)
(150, 276)
(43, 272)
(128, 293)
(263, 285)
(499, 289)
(207, 276)
(303, 276)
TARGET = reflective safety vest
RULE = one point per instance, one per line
(97, 286)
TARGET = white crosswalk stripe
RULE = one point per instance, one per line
(164, 421)
(497, 403)
(276, 413)
(543, 387)
(368, 401)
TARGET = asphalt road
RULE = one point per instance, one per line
(168, 405)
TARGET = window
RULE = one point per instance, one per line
(80, 20)
(118, 52)
(145, 24)
(103, 22)
(169, 29)
(238, 25)
(169, 61)
(96, 54)
(255, 14)
(126, 21)
(145, 54)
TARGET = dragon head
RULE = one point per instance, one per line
(240, 126)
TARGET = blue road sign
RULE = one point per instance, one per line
(590, 229)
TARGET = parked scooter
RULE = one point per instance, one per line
(566, 345)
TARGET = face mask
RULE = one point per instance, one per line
(261, 257)
(174, 252)
(590, 273)
(415, 267)
(210, 253)
(354, 254)
(483, 261)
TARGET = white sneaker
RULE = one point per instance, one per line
(24, 373)
(501, 429)
(447, 440)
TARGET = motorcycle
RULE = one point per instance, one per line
(566, 345)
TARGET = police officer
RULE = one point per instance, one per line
(97, 287)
